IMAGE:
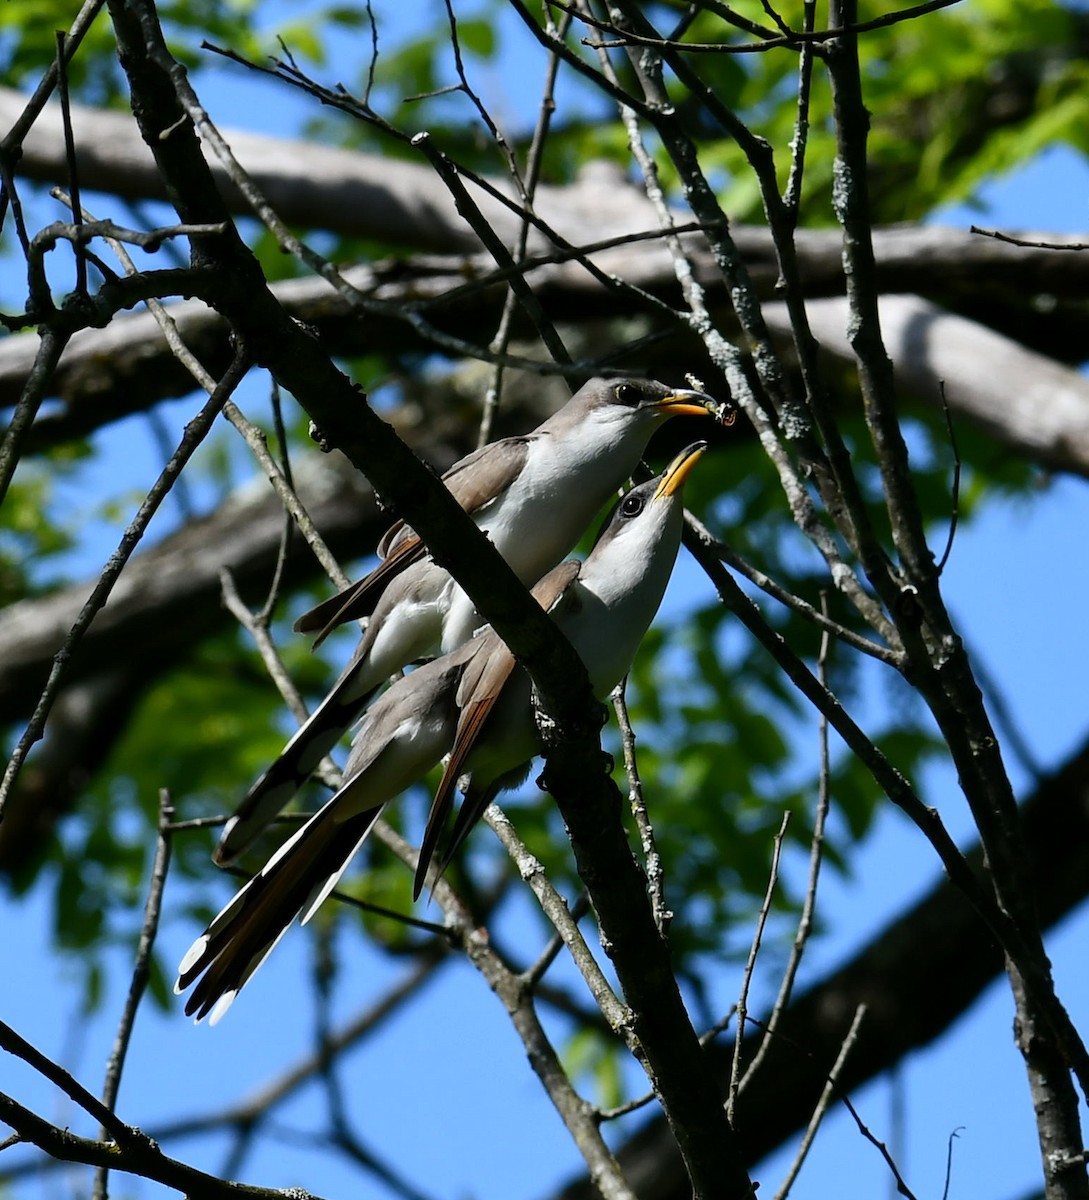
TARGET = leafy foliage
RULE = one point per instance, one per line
(972, 92)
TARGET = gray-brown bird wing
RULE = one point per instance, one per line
(359, 599)
(474, 482)
(482, 684)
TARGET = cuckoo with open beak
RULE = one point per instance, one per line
(534, 496)
(473, 705)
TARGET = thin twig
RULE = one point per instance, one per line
(536, 971)
(467, 89)
(792, 194)
(194, 434)
(372, 64)
(777, 20)
(719, 1027)
(954, 513)
(998, 236)
(949, 1161)
(70, 159)
(468, 208)
(651, 858)
(742, 1007)
(258, 630)
(787, 38)
(50, 348)
(252, 435)
(816, 852)
(269, 606)
(629, 1106)
(563, 921)
(901, 1187)
(534, 159)
(132, 1152)
(114, 1127)
(327, 770)
(141, 973)
(822, 1106)
(885, 654)
(341, 1135)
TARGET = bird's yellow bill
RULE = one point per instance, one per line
(677, 472)
(683, 401)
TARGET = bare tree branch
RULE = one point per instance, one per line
(1024, 399)
(134, 1154)
(916, 976)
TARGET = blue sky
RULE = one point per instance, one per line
(420, 1094)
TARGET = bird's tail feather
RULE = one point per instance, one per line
(296, 879)
(296, 763)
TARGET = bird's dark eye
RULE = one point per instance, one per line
(628, 393)
(632, 505)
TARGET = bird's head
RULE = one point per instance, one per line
(640, 402)
(644, 528)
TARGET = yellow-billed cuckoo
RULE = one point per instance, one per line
(534, 496)
(474, 705)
